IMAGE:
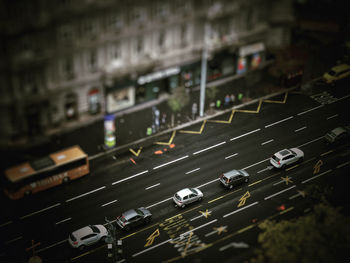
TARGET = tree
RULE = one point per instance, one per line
(177, 101)
(321, 236)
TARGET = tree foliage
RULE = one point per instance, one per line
(321, 236)
(178, 99)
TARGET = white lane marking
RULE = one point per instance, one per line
(152, 247)
(314, 177)
(127, 178)
(211, 147)
(244, 134)
(240, 209)
(267, 142)
(198, 227)
(227, 157)
(194, 218)
(342, 98)
(37, 212)
(315, 108)
(255, 164)
(234, 245)
(277, 122)
(212, 181)
(319, 138)
(192, 171)
(90, 192)
(164, 164)
(148, 207)
(215, 232)
(280, 192)
(263, 170)
(6, 223)
(333, 116)
(300, 129)
(149, 187)
(55, 244)
(64, 220)
(111, 202)
(13, 240)
(343, 164)
(121, 261)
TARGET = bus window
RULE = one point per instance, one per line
(46, 172)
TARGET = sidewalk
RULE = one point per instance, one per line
(131, 124)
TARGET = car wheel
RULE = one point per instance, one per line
(246, 180)
(231, 186)
(200, 199)
(147, 220)
(82, 247)
(182, 206)
(127, 228)
(300, 159)
(283, 166)
(103, 239)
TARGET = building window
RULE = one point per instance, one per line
(66, 34)
(161, 40)
(139, 46)
(28, 84)
(162, 10)
(183, 35)
(94, 101)
(89, 29)
(68, 69)
(138, 16)
(114, 22)
(93, 61)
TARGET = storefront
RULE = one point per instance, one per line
(150, 86)
(250, 57)
(94, 101)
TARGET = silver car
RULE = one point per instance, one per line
(87, 236)
(286, 157)
(187, 196)
(133, 217)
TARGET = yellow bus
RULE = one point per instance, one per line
(38, 175)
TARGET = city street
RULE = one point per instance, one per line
(223, 226)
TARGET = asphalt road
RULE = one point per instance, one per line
(221, 227)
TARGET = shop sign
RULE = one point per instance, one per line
(242, 65)
(158, 75)
(251, 49)
(109, 126)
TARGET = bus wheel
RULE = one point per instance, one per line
(66, 179)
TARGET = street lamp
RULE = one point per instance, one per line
(213, 10)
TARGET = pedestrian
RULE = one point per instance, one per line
(194, 110)
(233, 98)
(240, 96)
(156, 119)
(218, 104)
(163, 120)
(227, 101)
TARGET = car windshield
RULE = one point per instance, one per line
(194, 191)
(72, 237)
(138, 211)
(293, 152)
(95, 229)
(331, 72)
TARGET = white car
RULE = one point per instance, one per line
(286, 157)
(87, 236)
(187, 196)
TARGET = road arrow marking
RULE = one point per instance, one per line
(151, 238)
(287, 179)
(317, 166)
(243, 199)
(135, 153)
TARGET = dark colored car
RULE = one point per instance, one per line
(234, 178)
(134, 217)
(338, 135)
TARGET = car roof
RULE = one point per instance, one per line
(231, 173)
(340, 67)
(184, 192)
(283, 153)
(83, 232)
(129, 214)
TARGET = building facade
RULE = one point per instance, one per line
(63, 60)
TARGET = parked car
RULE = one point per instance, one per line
(134, 217)
(286, 157)
(234, 178)
(338, 135)
(87, 236)
(337, 73)
(187, 196)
